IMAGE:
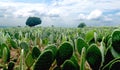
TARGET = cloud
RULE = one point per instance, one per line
(53, 13)
(95, 14)
(23, 9)
(82, 16)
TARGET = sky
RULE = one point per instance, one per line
(61, 13)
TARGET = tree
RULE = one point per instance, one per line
(33, 21)
(81, 25)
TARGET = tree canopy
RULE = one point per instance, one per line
(81, 25)
(33, 21)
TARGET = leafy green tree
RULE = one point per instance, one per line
(81, 25)
(33, 21)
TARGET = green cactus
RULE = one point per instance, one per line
(38, 41)
(44, 61)
(115, 54)
(14, 44)
(5, 53)
(45, 41)
(83, 59)
(115, 65)
(53, 48)
(35, 52)
(69, 65)
(29, 60)
(32, 37)
(108, 57)
(80, 44)
(1, 50)
(89, 36)
(107, 40)
(11, 66)
(102, 49)
(22, 60)
(16, 35)
(24, 46)
(75, 61)
(108, 65)
(116, 43)
(64, 52)
(94, 57)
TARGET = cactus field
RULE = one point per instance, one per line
(51, 48)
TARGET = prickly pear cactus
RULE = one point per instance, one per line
(69, 65)
(64, 52)
(24, 46)
(116, 43)
(11, 66)
(44, 61)
(29, 61)
(83, 59)
(108, 56)
(80, 44)
(75, 61)
(112, 64)
(22, 60)
(1, 50)
(13, 44)
(53, 48)
(94, 57)
(115, 65)
(16, 35)
(35, 52)
(89, 36)
(5, 53)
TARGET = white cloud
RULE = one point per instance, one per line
(94, 14)
(53, 11)
(23, 9)
(82, 16)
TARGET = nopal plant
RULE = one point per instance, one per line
(53, 48)
(115, 47)
(35, 52)
(80, 44)
(44, 61)
(64, 52)
(94, 57)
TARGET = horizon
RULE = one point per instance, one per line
(60, 13)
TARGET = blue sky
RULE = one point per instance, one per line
(63, 13)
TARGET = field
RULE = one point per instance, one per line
(51, 48)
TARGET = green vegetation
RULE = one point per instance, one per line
(33, 21)
(44, 61)
(81, 25)
(64, 52)
(50, 48)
